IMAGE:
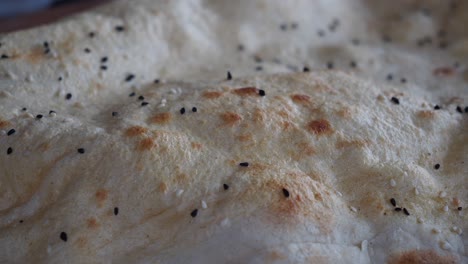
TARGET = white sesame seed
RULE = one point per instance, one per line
(392, 183)
(3, 132)
(442, 194)
(456, 230)
(53, 114)
(446, 208)
(435, 231)
(29, 115)
(364, 245)
(353, 208)
(420, 220)
(416, 191)
(445, 245)
(179, 192)
(340, 194)
(203, 204)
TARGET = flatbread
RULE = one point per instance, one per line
(108, 164)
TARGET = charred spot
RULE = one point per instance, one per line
(320, 127)
(161, 118)
(135, 131)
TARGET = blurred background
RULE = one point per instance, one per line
(22, 14)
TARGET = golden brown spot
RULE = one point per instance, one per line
(135, 131)
(35, 56)
(380, 98)
(300, 98)
(426, 114)
(212, 94)
(81, 242)
(98, 86)
(444, 71)
(246, 91)
(244, 138)
(230, 118)
(182, 178)
(286, 125)
(283, 114)
(92, 223)
(259, 116)
(162, 187)
(275, 256)
(318, 197)
(161, 118)
(344, 112)
(43, 146)
(101, 196)
(320, 127)
(196, 145)
(146, 144)
(341, 144)
(4, 123)
(422, 257)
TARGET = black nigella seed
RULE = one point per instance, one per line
(330, 65)
(466, 109)
(436, 107)
(104, 59)
(144, 103)
(141, 98)
(398, 209)
(182, 110)
(156, 81)
(68, 96)
(229, 76)
(393, 202)
(285, 193)
(459, 109)
(283, 27)
(103, 67)
(194, 213)
(459, 208)
(261, 92)
(60, 79)
(11, 132)
(389, 77)
(63, 236)
(353, 64)
(194, 109)
(395, 100)
(21, 221)
(4, 56)
(406, 211)
(225, 186)
(131, 94)
(24, 109)
(403, 80)
(87, 50)
(119, 28)
(437, 166)
(129, 77)
(39, 116)
(115, 114)
(258, 68)
(244, 164)
(306, 69)
(81, 150)
(9, 151)
(91, 34)
(116, 210)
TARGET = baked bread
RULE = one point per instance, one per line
(108, 165)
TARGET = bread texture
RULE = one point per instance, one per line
(159, 158)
